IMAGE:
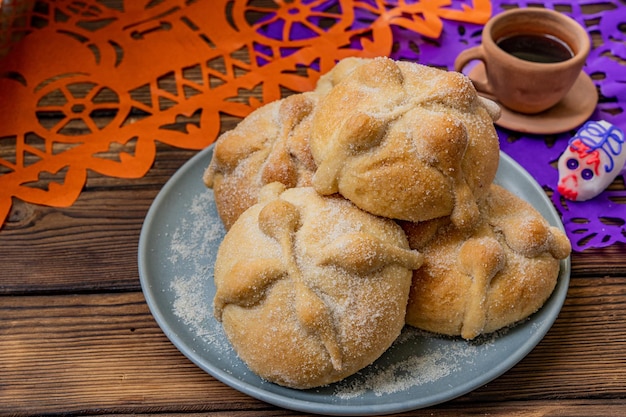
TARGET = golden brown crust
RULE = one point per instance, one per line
(311, 289)
(269, 145)
(403, 141)
(491, 277)
(340, 71)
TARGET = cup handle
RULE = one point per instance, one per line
(469, 55)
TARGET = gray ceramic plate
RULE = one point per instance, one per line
(177, 249)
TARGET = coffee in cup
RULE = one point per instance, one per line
(532, 57)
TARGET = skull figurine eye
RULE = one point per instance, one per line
(572, 164)
(586, 174)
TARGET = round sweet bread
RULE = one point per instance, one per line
(270, 144)
(311, 289)
(403, 140)
(500, 273)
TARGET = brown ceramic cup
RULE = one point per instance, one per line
(520, 84)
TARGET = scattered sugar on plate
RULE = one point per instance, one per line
(421, 368)
(400, 376)
(192, 249)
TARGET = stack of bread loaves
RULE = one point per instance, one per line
(363, 206)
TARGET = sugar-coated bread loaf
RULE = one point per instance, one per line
(363, 206)
(270, 144)
(497, 274)
(311, 289)
(403, 140)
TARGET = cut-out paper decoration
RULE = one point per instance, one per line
(168, 69)
(91, 85)
(601, 221)
(595, 223)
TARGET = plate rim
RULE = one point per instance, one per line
(558, 296)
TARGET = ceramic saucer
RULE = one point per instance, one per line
(569, 113)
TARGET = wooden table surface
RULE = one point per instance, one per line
(77, 337)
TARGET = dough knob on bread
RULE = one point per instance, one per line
(528, 235)
(317, 319)
(481, 259)
(248, 283)
(493, 109)
(358, 134)
(361, 253)
(279, 220)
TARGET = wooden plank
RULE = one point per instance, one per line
(608, 261)
(88, 352)
(89, 246)
(82, 353)
(456, 409)
(92, 245)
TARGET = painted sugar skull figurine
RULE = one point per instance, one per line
(592, 160)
